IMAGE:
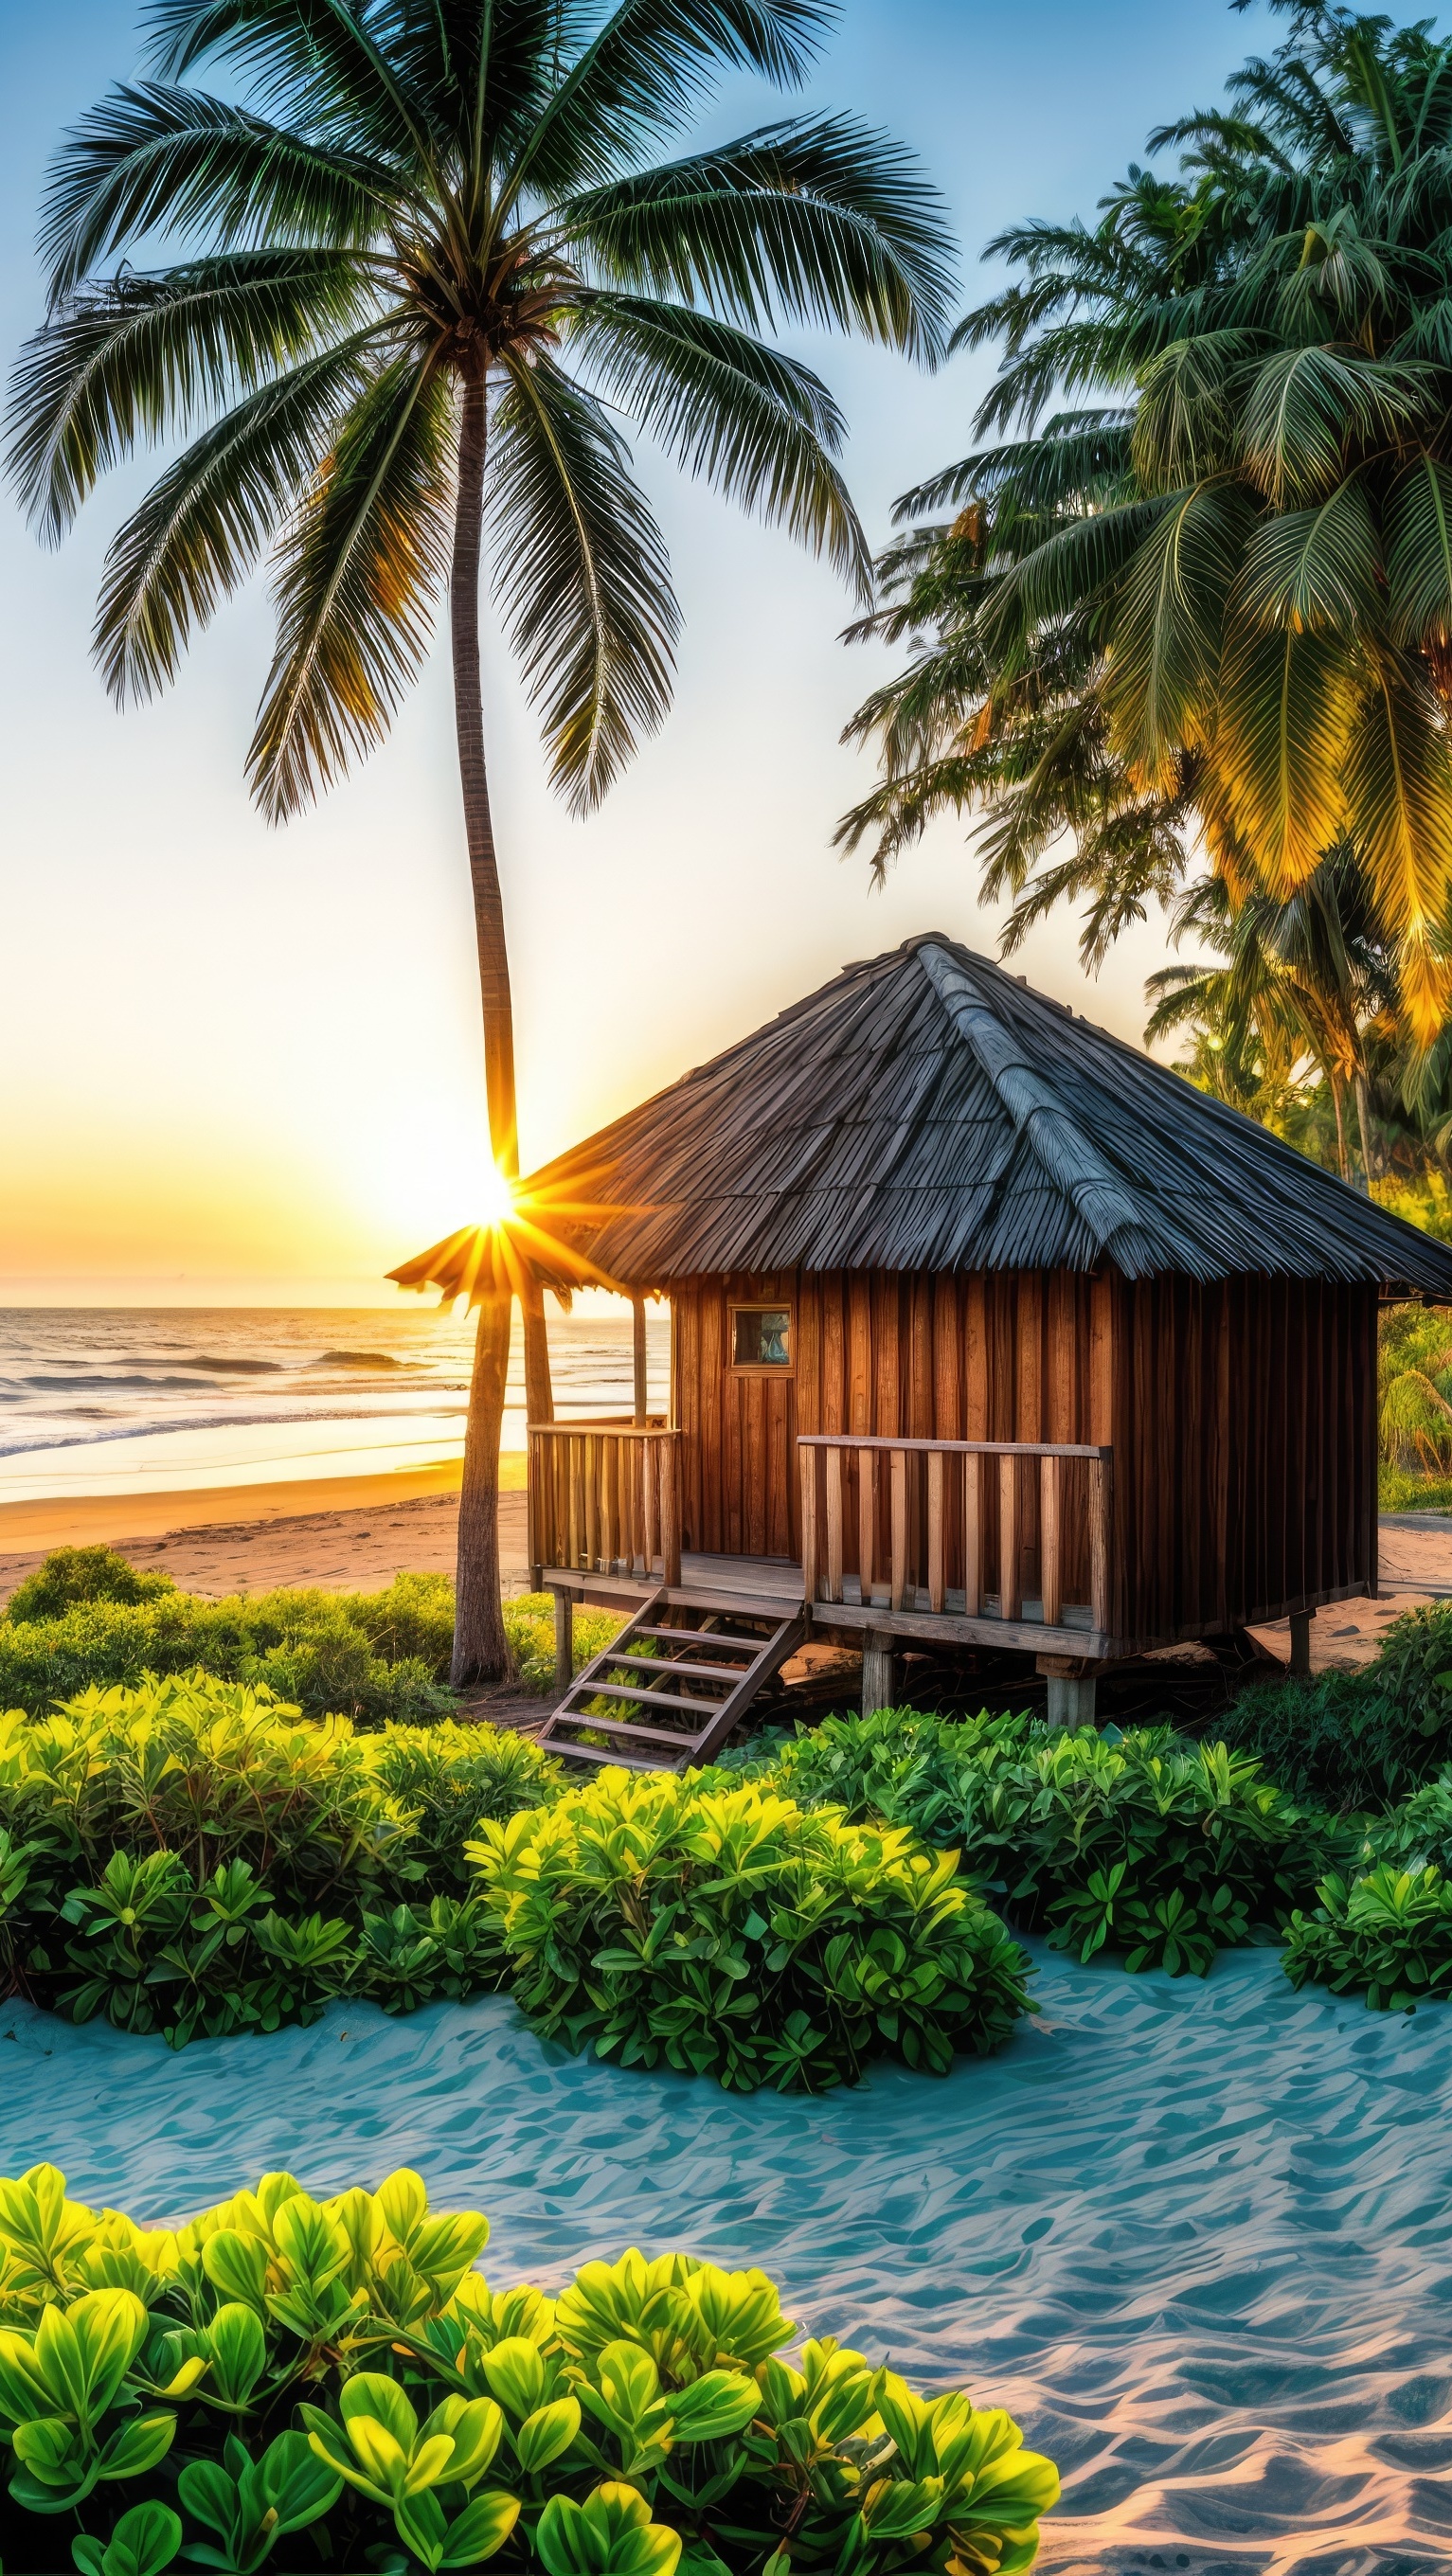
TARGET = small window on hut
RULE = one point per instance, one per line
(761, 1337)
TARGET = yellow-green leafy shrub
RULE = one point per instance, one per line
(87, 1619)
(194, 1856)
(727, 1931)
(338, 2368)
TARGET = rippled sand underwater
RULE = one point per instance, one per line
(1196, 2236)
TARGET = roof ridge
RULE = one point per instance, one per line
(1068, 1157)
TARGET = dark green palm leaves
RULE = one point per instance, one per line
(1222, 610)
(417, 194)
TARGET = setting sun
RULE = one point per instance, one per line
(496, 1197)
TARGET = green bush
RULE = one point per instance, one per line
(1140, 1844)
(1387, 1935)
(1417, 1831)
(86, 1617)
(1359, 1739)
(283, 2365)
(71, 1574)
(898, 1764)
(727, 1931)
(194, 1857)
(368, 1656)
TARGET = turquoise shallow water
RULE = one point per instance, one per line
(1195, 2235)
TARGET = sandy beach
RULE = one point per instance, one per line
(344, 1533)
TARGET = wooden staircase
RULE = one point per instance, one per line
(666, 1693)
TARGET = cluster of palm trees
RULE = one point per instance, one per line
(1185, 635)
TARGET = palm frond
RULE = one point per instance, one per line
(1419, 552)
(1399, 810)
(582, 575)
(151, 157)
(1081, 560)
(1287, 708)
(202, 528)
(1317, 567)
(139, 357)
(1078, 453)
(1306, 405)
(318, 59)
(1163, 656)
(646, 70)
(358, 578)
(817, 220)
(759, 427)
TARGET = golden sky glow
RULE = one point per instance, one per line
(244, 1065)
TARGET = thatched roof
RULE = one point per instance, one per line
(927, 1111)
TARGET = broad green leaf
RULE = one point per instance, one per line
(515, 2373)
(482, 2528)
(547, 2434)
(137, 2446)
(145, 2540)
(298, 2486)
(714, 2406)
(237, 2351)
(237, 2266)
(372, 2394)
(210, 2496)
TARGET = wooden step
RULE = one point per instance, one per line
(656, 1699)
(703, 1636)
(763, 1655)
(679, 1664)
(625, 1726)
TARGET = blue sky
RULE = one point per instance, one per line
(245, 1063)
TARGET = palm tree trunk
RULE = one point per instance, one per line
(1341, 1162)
(1370, 1164)
(481, 1648)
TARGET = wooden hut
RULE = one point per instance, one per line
(986, 1329)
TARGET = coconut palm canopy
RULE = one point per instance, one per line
(1213, 607)
(927, 1111)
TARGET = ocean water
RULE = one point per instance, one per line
(1194, 2235)
(114, 1400)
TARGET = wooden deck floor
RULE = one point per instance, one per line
(733, 1582)
(772, 1586)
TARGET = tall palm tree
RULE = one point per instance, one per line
(427, 268)
(1220, 600)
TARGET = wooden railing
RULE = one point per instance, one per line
(605, 1498)
(1017, 1530)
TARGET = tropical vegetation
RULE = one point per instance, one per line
(194, 1858)
(86, 1618)
(1138, 1844)
(1358, 1740)
(1180, 622)
(725, 1930)
(1201, 597)
(1386, 1936)
(340, 2369)
(425, 267)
